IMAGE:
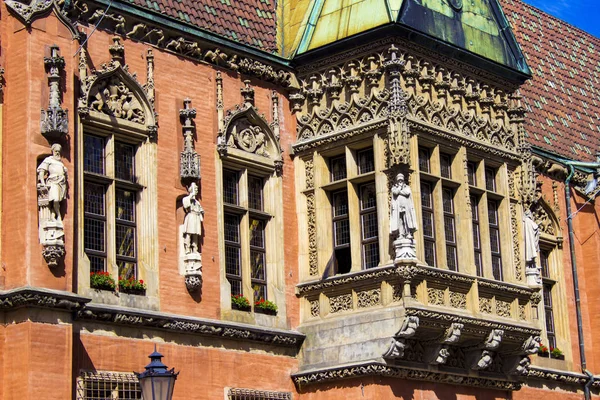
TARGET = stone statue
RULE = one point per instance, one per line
(52, 175)
(403, 218)
(192, 224)
(52, 190)
(531, 231)
(532, 237)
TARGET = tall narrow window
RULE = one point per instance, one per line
(341, 231)
(424, 159)
(337, 166)
(428, 225)
(472, 173)
(547, 285)
(233, 257)
(490, 179)
(366, 161)
(446, 165)
(258, 259)
(450, 229)
(114, 186)
(368, 218)
(495, 239)
(476, 236)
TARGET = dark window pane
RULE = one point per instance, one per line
(449, 229)
(93, 234)
(451, 258)
(340, 204)
(337, 167)
(257, 233)
(430, 253)
(236, 286)
(497, 268)
(472, 173)
(476, 237)
(93, 198)
(495, 240)
(369, 225)
(446, 165)
(255, 193)
(544, 255)
(230, 187)
(448, 204)
(124, 161)
(493, 212)
(474, 209)
(125, 205)
(428, 230)
(478, 264)
(342, 232)
(257, 261)
(127, 269)
(97, 264)
(232, 228)
(367, 196)
(125, 240)
(232, 260)
(366, 161)
(490, 179)
(371, 254)
(426, 195)
(93, 154)
(424, 155)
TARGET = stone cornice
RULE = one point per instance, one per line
(555, 375)
(84, 311)
(180, 324)
(41, 298)
(381, 369)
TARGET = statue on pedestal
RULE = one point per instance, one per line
(531, 231)
(192, 231)
(403, 220)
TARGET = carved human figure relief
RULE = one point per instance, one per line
(191, 233)
(403, 220)
(531, 232)
(192, 224)
(52, 190)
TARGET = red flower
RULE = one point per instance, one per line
(141, 281)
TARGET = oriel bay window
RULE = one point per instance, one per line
(110, 192)
(245, 224)
(349, 189)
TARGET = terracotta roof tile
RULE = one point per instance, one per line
(244, 21)
(563, 96)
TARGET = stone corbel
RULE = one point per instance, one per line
(438, 351)
(190, 160)
(483, 357)
(518, 363)
(399, 345)
(54, 120)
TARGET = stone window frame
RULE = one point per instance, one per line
(121, 385)
(115, 130)
(250, 165)
(325, 188)
(462, 161)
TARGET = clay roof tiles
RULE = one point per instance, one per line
(252, 22)
(563, 96)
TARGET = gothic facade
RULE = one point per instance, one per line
(298, 200)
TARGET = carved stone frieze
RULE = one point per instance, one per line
(516, 242)
(368, 298)
(54, 120)
(311, 211)
(315, 308)
(435, 296)
(458, 300)
(485, 305)
(503, 308)
(339, 303)
(42, 298)
(378, 369)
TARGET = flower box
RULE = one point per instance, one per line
(239, 302)
(265, 311)
(102, 281)
(132, 286)
(265, 307)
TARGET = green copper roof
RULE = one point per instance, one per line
(478, 26)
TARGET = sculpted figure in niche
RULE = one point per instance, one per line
(52, 175)
(192, 224)
(403, 218)
(532, 237)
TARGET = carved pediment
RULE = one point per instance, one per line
(28, 12)
(113, 92)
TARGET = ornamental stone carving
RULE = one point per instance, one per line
(399, 343)
(531, 232)
(191, 235)
(52, 190)
(28, 12)
(54, 120)
(190, 160)
(112, 91)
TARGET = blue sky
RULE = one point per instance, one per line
(584, 14)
